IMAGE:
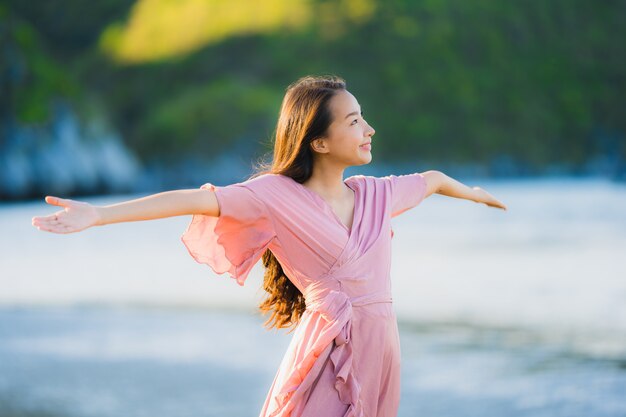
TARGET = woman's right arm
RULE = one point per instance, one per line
(78, 215)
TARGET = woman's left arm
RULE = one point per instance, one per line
(440, 183)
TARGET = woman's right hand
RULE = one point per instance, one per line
(75, 216)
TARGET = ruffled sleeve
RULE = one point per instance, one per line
(236, 240)
(407, 191)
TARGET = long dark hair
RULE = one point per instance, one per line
(304, 116)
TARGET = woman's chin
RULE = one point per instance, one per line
(366, 160)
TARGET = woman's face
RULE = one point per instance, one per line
(348, 138)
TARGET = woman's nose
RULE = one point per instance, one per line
(371, 131)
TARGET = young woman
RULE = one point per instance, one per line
(325, 243)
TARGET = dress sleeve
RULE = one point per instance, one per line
(236, 240)
(407, 191)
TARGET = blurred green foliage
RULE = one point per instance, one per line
(191, 121)
(440, 80)
(30, 76)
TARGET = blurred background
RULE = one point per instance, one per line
(517, 313)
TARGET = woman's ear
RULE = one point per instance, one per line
(319, 145)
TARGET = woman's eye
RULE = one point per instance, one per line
(354, 121)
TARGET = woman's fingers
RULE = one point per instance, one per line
(52, 218)
(55, 225)
(54, 228)
(55, 221)
(497, 204)
(47, 219)
(488, 199)
(56, 201)
(500, 204)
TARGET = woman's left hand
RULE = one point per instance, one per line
(483, 196)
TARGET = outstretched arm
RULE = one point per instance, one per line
(78, 215)
(438, 182)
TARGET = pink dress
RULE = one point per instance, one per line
(344, 357)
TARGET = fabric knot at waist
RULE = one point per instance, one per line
(323, 298)
(329, 318)
(336, 307)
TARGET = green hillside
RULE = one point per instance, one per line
(537, 82)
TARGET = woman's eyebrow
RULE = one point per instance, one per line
(354, 113)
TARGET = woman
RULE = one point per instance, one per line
(325, 243)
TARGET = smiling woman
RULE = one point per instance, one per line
(325, 243)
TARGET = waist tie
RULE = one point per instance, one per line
(337, 306)
(333, 340)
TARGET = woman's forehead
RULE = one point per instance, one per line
(344, 103)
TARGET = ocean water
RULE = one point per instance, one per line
(516, 313)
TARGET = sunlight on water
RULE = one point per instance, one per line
(512, 313)
(114, 362)
(551, 262)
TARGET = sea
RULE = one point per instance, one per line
(501, 313)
